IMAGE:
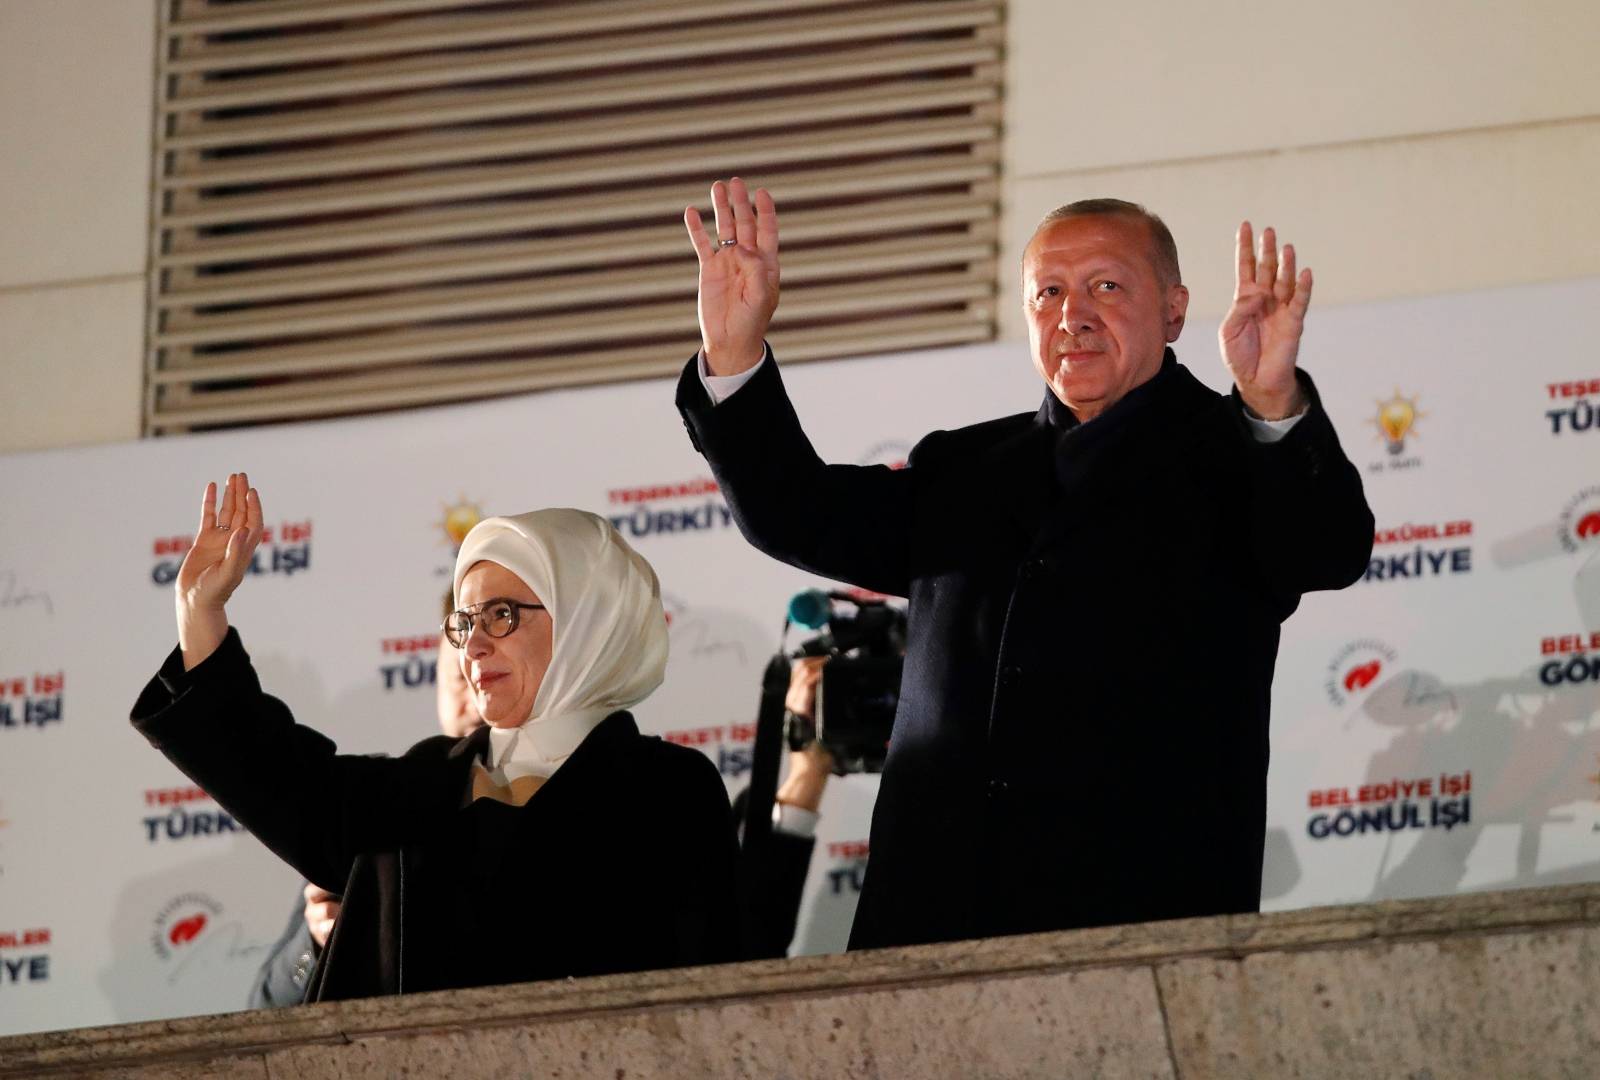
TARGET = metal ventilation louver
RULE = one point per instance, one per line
(366, 205)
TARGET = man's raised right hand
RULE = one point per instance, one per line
(738, 276)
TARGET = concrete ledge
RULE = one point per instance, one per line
(1490, 984)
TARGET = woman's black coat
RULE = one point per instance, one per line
(623, 861)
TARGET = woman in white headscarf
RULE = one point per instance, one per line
(555, 841)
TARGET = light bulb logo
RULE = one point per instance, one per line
(459, 520)
(1395, 420)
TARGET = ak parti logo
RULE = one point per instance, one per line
(458, 519)
(1396, 422)
(1356, 668)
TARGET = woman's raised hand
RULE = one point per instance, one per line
(738, 275)
(215, 565)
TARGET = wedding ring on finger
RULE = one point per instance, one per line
(726, 243)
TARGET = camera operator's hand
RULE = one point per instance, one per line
(808, 768)
(804, 676)
(808, 775)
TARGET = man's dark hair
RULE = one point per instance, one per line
(1164, 250)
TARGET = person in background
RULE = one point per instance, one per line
(287, 972)
(775, 888)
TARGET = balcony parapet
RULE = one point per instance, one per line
(1486, 984)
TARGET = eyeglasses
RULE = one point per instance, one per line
(498, 617)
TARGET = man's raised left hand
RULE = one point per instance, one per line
(1260, 337)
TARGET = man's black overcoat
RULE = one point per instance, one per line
(624, 860)
(1094, 614)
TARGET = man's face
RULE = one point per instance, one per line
(1099, 318)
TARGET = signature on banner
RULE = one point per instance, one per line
(221, 944)
(695, 634)
(15, 595)
(190, 933)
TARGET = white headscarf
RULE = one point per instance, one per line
(609, 643)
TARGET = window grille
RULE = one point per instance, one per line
(374, 204)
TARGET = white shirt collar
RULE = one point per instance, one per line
(538, 747)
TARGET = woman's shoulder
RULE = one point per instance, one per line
(684, 780)
(671, 755)
(671, 761)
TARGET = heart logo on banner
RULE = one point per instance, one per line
(1359, 678)
(186, 930)
(1589, 526)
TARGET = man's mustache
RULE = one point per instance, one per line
(1081, 344)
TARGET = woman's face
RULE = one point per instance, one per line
(504, 673)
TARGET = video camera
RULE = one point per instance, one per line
(859, 688)
(857, 693)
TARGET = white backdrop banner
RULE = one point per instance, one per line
(1434, 727)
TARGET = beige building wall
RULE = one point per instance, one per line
(1406, 149)
(76, 86)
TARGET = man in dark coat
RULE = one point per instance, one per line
(1096, 587)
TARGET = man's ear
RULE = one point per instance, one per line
(1177, 310)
